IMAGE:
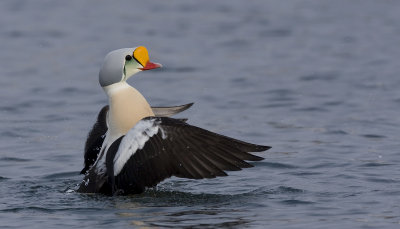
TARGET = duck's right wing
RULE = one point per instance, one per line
(159, 147)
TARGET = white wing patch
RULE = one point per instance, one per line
(134, 140)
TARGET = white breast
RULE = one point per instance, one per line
(127, 107)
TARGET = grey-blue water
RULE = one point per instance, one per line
(316, 80)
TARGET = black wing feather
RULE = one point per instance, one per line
(182, 150)
(95, 139)
(96, 135)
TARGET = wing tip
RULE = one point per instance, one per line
(257, 158)
(258, 148)
(261, 148)
(184, 107)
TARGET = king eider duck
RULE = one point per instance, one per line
(133, 145)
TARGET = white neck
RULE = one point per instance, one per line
(127, 107)
(114, 88)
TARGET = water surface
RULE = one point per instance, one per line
(317, 80)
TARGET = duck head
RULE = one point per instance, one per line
(119, 65)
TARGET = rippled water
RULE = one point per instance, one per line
(317, 80)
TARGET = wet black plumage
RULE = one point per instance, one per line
(95, 139)
(177, 149)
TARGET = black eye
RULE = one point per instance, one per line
(128, 57)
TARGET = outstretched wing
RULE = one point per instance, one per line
(159, 147)
(97, 133)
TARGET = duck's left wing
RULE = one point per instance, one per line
(170, 111)
(95, 139)
(159, 147)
